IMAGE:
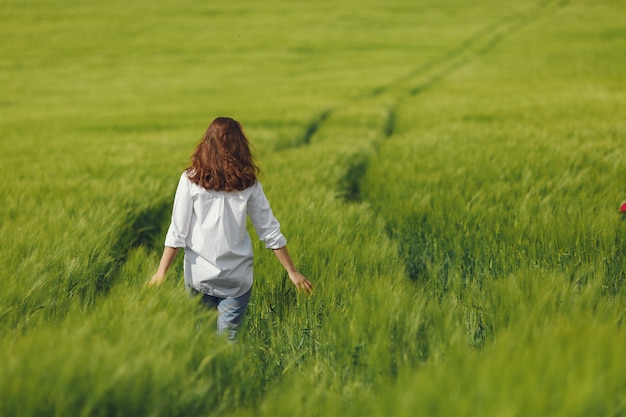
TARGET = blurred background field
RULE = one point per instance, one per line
(448, 175)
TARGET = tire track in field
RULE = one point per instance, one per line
(386, 98)
(140, 227)
(482, 42)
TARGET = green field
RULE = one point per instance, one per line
(448, 175)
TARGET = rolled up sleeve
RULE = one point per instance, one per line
(181, 215)
(265, 224)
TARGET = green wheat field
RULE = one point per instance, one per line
(448, 175)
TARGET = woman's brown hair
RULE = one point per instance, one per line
(222, 160)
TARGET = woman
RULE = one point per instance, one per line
(213, 199)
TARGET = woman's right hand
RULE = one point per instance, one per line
(166, 260)
(156, 280)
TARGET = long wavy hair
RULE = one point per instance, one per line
(222, 160)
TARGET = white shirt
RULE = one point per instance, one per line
(211, 226)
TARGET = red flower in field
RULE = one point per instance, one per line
(622, 208)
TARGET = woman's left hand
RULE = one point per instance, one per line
(301, 282)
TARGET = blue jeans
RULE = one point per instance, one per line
(230, 311)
